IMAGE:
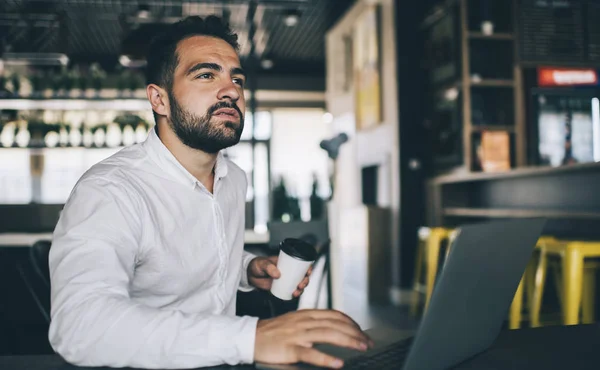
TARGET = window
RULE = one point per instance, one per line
(252, 155)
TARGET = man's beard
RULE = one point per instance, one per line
(198, 132)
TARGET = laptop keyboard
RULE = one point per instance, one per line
(392, 358)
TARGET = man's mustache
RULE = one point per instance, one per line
(224, 104)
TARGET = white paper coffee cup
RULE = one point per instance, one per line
(295, 258)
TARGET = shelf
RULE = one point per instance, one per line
(92, 147)
(494, 36)
(266, 98)
(481, 83)
(481, 128)
(519, 213)
(531, 171)
(76, 104)
(492, 83)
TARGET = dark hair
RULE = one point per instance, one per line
(162, 55)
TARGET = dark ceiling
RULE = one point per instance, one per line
(102, 30)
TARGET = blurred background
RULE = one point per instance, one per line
(374, 128)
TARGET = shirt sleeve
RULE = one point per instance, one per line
(245, 286)
(94, 320)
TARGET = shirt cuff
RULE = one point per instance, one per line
(246, 340)
(244, 283)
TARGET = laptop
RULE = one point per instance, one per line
(468, 306)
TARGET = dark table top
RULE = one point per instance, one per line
(555, 347)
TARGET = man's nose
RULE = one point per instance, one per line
(229, 91)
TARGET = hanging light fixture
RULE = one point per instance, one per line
(27, 59)
(291, 18)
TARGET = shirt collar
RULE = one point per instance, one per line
(167, 162)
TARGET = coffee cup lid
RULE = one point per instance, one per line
(299, 249)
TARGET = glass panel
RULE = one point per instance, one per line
(262, 131)
(261, 184)
(248, 127)
(241, 154)
(63, 167)
(299, 131)
(15, 182)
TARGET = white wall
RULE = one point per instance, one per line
(374, 146)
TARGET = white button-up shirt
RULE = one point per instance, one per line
(145, 264)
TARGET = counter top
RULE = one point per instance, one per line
(556, 347)
(518, 172)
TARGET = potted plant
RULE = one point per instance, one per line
(56, 80)
(81, 82)
(98, 76)
(122, 81)
(36, 80)
(135, 83)
(3, 91)
(68, 81)
(16, 82)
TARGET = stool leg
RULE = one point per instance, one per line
(572, 280)
(530, 279)
(587, 301)
(418, 271)
(514, 320)
(539, 281)
(558, 283)
(432, 257)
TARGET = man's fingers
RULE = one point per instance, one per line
(314, 357)
(339, 326)
(335, 337)
(303, 284)
(272, 270)
(335, 315)
(330, 315)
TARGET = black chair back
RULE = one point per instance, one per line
(38, 256)
(37, 281)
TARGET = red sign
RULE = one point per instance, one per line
(548, 76)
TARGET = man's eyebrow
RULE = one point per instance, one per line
(238, 71)
(199, 66)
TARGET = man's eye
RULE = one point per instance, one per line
(238, 81)
(204, 76)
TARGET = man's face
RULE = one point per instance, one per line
(207, 99)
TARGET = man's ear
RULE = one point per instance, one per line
(158, 98)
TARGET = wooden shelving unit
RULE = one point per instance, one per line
(468, 84)
(476, 85)
(565, 196)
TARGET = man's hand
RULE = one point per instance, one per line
(289, 338)
(262, 271)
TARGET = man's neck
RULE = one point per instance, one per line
(200, 164)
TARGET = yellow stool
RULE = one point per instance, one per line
(430, 243)
(530, 284)
(576, 291)
(428, 254)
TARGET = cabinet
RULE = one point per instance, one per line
(474, 83)
(362, 260)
